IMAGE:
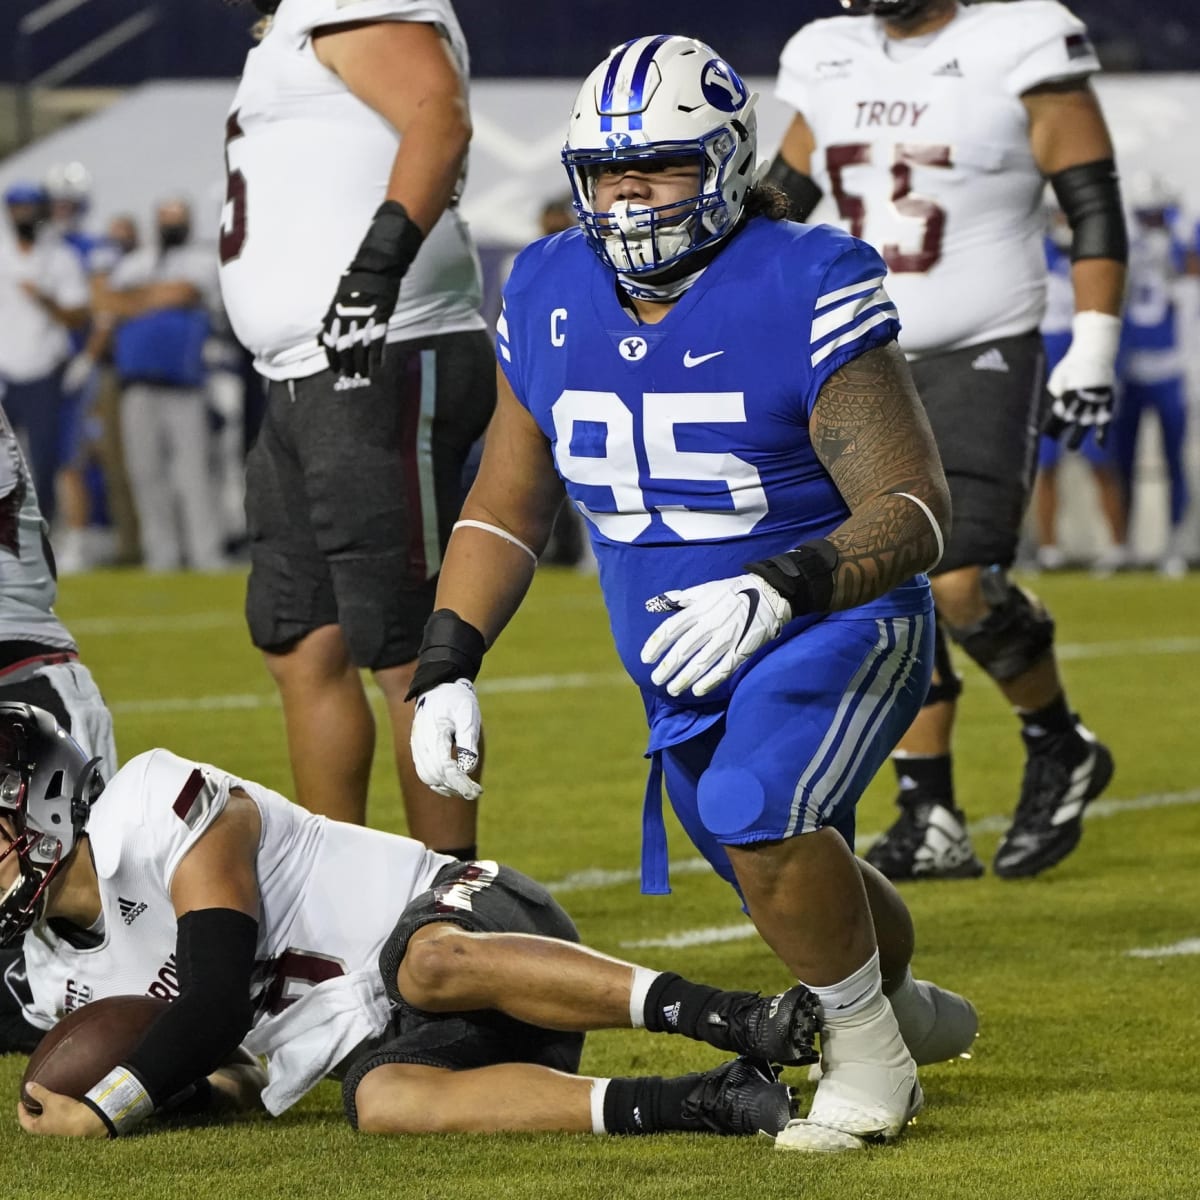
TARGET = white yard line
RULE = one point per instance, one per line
(1187, 946)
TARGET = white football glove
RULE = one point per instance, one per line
(716, 627)
(1082, 383)
(445, 739)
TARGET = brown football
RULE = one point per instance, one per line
(84, 1046)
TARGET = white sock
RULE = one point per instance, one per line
(599, 1087)
(643, 977)
(855, 993)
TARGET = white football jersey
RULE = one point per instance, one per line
(307, 165)
(27, 585)
(331, 893)
(927, 156)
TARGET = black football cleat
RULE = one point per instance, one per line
(1062, 774)
(927, 841)
(742, 1096)
(780, 1029)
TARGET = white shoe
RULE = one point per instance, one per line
(1173, 566)
(868, 1090)
(935, 1024)
(1050, 558)
(1114, 559)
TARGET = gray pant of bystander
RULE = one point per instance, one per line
(166, 437)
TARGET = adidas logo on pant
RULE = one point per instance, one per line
(990, 360)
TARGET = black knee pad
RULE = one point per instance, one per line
(1016, 634)
(948, 684)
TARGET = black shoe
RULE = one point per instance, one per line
(928, 841)
(742, 1096)
(780, 1029)
(1062, 773)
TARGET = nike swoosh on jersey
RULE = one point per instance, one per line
(689, 361)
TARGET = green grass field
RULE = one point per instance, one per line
(1084, 1081)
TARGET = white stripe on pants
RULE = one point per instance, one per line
(166, 438)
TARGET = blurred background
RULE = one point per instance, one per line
(135, 92)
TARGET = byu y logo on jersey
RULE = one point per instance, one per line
(632, 348)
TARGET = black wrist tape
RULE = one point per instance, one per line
(802, 193)
(1090, 196)
(803, 577)
(391, 243)
(450, 649)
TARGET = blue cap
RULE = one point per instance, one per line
(25, 193)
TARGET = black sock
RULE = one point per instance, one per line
(648, 1104)
(925, 777)
(675, 1005)
(1053, 720)
(463, 853)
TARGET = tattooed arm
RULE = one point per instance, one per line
(870, 432)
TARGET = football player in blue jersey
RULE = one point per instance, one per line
(1151, 367)
(721, 393)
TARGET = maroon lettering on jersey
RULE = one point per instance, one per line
(76, 996)
(166, 984)
(287, 978)
(889, 114)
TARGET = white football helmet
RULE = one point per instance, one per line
(656, 98)
(47, 789)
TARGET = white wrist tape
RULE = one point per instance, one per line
(937, 529)
(1096, 335)
(120, 1100)
(500, 533)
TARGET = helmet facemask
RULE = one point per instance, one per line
(682, 105)
(47, 789)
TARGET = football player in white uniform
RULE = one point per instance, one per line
(934, 127)
(448, 996)
(348, 273)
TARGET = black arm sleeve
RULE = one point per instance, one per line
(1090, 196)
(215, 958)
(802, 193)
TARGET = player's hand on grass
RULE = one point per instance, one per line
(713, 629)
(60, 1116)
(445, 739)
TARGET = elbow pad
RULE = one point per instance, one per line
(802, 193)
(1090, 197)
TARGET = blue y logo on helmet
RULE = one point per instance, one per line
(722, 87)
(618, 141)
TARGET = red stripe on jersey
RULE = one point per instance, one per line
(187, 795)
(410, 409)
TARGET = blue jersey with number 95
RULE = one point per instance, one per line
(685, 443)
